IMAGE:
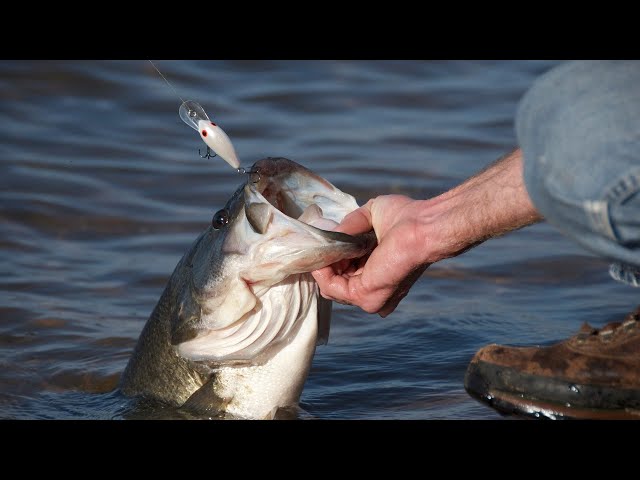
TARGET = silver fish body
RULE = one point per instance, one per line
(235, 330)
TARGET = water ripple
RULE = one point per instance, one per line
(102, 191)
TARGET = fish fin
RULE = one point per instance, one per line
(272, 414)
(205, 401)
(259, 216)
(324, 320)
(185, 320)
(291, 412)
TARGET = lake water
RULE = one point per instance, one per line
(102, 191)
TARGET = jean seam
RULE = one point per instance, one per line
(622, 188)
(596, 212)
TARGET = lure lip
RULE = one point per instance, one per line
(191, 113)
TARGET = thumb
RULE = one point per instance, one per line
(358, 221)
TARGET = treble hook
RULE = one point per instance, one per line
(208, 155)
(243, 171)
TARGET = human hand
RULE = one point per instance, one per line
(413, 234)
(379, 281)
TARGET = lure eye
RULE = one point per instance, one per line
(220, 219)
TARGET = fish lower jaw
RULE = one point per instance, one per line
(256, 392)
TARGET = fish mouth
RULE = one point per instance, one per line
(294, 211)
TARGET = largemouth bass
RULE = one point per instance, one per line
(235, 330)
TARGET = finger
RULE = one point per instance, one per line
(389, 307)
(336, 287)
(351, 269)
(323, 278)
(342, 266)
(323, 275)
(354, 267)
(358, 221)
(401, 292)
(392, 303)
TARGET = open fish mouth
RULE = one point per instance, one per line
(249, 290)
(292, 189)
(294, 211)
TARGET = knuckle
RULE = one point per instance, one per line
(370, 307)
(325, 296)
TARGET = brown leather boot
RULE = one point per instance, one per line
(592, 375)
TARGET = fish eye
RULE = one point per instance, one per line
(220, 219)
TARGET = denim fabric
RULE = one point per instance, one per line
(579, 130)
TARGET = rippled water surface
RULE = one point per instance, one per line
(102, 191)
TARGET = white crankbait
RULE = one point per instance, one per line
(213, 136)
(216, 139)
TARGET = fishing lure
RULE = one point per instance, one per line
(216, 139)
(213, 136)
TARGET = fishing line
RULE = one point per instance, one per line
(165, 79)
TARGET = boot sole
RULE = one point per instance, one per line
(494, 385)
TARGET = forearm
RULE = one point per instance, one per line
(412, 234)
(489, 204)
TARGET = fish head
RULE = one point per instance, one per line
(275, 228)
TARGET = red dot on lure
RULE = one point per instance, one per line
(213, 124)
(204, 133)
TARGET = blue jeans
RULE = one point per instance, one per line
(579, 130)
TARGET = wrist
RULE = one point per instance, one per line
(444, 231)
(493, 202)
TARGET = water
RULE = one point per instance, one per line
(102, 191)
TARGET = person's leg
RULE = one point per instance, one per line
(579, 130)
